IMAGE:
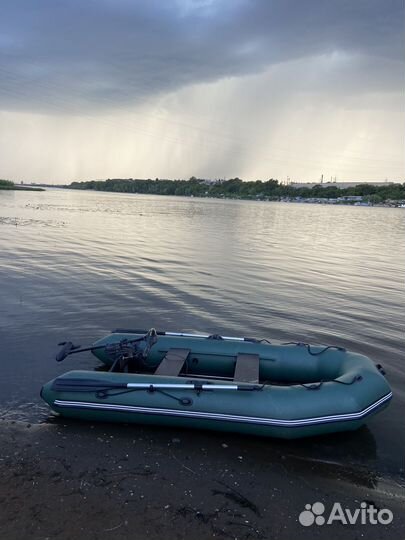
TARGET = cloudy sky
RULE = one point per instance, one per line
(212, 88)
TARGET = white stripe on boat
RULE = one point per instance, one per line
(225, 417)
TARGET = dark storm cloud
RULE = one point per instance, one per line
(72, 54)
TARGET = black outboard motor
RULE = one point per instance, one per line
(126, 355)
(130, 356)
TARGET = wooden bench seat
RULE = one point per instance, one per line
(247, 368)
(172, 363)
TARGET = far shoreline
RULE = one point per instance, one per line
(321, 201)
(368, 195)
(363, 194)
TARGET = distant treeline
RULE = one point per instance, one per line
(7, 184)
(237, 189)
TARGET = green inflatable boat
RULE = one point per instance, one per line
(222, 383)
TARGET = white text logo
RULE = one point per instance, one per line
(314, 514)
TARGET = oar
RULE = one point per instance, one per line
(182, 334)
(89, 385)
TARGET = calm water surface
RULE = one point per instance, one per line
(75, 265)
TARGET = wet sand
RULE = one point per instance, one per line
(63, 480)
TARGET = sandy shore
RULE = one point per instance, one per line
(64, 480)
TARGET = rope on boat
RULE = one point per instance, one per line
(106, 393)
(317, 385)
(308, 347)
